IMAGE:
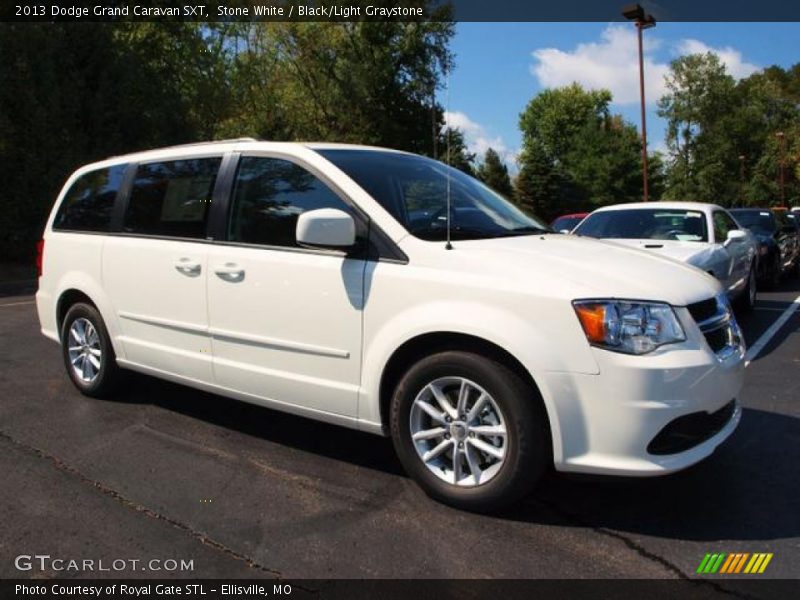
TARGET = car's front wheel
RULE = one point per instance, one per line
(747, 301)
(88, 354)
(469, 430)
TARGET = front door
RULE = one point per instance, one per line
(285, 321)
(736, 253)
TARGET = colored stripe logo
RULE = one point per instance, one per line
(734, 563)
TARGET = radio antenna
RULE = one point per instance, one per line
(448, 245)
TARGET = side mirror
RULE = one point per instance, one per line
(326, 228)
(736, 235)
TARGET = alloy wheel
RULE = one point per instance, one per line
(85, 354)
(459, 431)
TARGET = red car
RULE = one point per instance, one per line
(567, 223)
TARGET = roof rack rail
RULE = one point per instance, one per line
(229, 141)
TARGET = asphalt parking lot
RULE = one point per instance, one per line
(169, 472)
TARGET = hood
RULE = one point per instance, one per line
(571, 267)
(694, 253)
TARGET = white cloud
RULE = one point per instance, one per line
(478, 139)
(730, 57)
(613, 63)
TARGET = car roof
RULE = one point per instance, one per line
(222, 146)
(702, 206)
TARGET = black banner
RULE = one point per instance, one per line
(399, 10)
(213, 589)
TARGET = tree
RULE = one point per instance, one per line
(539, 186)
(454, 151)
(604, 163)
(358, 82)
(700, 94)
(721, 134)
(74, 93)
(593, 156)
(494, 173)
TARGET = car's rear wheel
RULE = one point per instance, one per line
(88, 354)
(469, 430)
(774, 274)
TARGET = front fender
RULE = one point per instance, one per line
(531, 343)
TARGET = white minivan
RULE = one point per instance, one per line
(387, 292)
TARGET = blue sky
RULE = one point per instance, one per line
(501, 66)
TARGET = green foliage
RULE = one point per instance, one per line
(699, 94)
(540, 187)
(721, 134)
(74, 93)
(453, 151)
(585, 156)
(494, 173)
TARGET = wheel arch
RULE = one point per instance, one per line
(426, 344)
(80, 288)
(66, 300)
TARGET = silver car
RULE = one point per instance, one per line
(704, 235)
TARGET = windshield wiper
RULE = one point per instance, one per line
(527, 230)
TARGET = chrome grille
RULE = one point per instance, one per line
(719, 326)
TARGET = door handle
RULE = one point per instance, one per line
(188, 267)
(230, 272)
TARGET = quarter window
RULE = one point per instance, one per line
(269, 195)
(172, 198)
(89, 203)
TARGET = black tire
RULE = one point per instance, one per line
(528, 450)
(747, 300)
(774, 272)
(109, 375)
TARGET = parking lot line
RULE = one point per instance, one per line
(18, 303)
(756, 348)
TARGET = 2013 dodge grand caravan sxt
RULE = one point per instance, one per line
(317, 279)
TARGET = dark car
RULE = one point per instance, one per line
(567, 223)
(779, 241)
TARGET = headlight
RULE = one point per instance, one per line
(629, 327)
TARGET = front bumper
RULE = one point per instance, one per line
(613, 423)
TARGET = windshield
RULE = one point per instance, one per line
(646, 224)
(565, 223)
(414, 190)
(761, 221)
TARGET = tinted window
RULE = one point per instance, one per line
(644, 224)
(89, 203)
(760, 221)
(269, 195)
(415, 190)
(172, 198)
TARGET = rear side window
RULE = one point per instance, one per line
(172, 198)
(89, 202)
(270, 194)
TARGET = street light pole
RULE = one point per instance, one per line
(742, 158)
(781, 160)
(643, 21)
(646, 191)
